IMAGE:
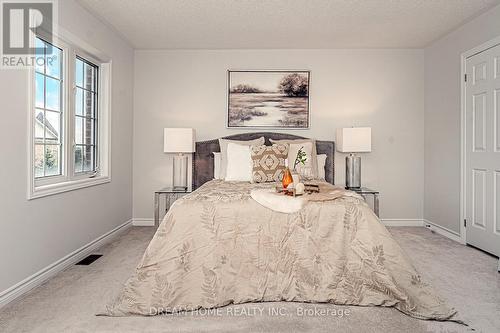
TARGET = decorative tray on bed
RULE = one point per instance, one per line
(309, 188)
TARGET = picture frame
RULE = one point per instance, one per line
(271, 99)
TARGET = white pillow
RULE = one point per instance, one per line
(223, 149)
(321, 166)
(309, 147)
(239, 163)
(217, 162)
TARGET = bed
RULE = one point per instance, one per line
(217, 246)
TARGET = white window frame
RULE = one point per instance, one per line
(68, 181)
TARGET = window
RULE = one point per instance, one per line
(86, 95)
(69, 121)
(48, 112)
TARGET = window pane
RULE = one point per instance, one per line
(79, 130)
(39, 126)
(48, 124)
(88, 133)
(89, 104)
(40, 55)
(89, 77)
(85, 115)
(39, 160)
(88, 158)
(51, 160)
(54, 62)
(78, 159)
(79, 73)
(39, 91)
(52, 126)
(79, 102)
(53, 94)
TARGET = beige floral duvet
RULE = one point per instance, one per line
(217, 246)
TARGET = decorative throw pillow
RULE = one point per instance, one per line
(268, 162)
(321, 166)
(223, 149)
(310, 168)
(239, 163)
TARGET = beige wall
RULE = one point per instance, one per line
(378, 88)
(442, 117)
(37, 233)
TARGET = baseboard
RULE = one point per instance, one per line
(443, 231)
(41, 276)
(140, 222)
(403, 222)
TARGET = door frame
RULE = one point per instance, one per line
(463, 106)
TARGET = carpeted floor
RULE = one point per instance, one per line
(466, 278)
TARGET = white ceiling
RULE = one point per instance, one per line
(262, 24)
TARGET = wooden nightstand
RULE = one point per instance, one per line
(363, 191)
(170, 196)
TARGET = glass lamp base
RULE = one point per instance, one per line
(179, 181)
(353, 171)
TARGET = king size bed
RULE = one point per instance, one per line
(217, 246)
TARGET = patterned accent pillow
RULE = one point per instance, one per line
(268, 162)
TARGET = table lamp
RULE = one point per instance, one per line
(179, 141)
(354, 140)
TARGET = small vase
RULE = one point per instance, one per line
(295, 177)
(287, 178)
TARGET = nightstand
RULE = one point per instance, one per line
(170, 196)
(363, 191)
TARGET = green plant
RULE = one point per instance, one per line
(300, 158)
(50, 159)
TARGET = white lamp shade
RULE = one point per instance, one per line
(354, 140)
(178, 140)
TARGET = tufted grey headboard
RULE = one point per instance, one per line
(203, 159)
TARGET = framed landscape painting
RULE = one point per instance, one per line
(272, 99)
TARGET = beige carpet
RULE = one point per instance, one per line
(466, 277)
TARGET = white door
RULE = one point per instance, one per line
(482, 155)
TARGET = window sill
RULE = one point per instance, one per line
(46, 190)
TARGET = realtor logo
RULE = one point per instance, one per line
(20, 20)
